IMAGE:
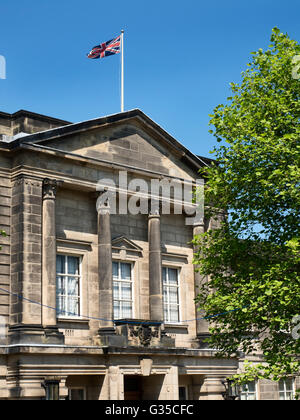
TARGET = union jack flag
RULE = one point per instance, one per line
(110, 47)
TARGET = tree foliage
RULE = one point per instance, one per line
(251, 261)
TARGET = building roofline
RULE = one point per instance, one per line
(68, 129)
(33, 115)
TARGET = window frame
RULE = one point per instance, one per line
(80, 277)
(293, 390)
(247, 393)
(178, 269)
(120, 281)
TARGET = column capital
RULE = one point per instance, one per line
(103, 204)
(198, 222)
(154, 214)
(49, 188)
(155, 208)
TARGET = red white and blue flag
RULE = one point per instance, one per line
(107, 48)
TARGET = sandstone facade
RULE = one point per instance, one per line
(67, 267)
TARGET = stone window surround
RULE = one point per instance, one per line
(79, 277)
(179, 289)
(78, 249)
(134, 294)
(177, 261)
(129, 256)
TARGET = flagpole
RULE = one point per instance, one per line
(122, 71)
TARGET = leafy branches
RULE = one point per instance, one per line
(252, 259)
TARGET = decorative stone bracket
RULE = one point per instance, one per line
(142, 333)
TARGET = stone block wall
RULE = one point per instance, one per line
(26, 122)
(26, 250)
(5, 209)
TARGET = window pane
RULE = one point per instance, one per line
(172, 276)
(60, 264)
(61, 305)
(73, 306)
(251, 387)
(126, 309)
(116, 310)
(73, 265)
(116, 290)
(174, 316)
(164, 273)
(60, 285)
(125, 271)
(165, 295)
(73, 286)
(166, 315)
(173, 293)
(289, 384)
(281, 385)
(115, 270)
(126, 291)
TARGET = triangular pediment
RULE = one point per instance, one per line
(121, 242)
(131, 140)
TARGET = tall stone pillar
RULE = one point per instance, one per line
(26, 249)
(49, 252)
(116, 383)
(155, 268)
(49, 316)
(170, 387)
(33, 272)
(105, 270)
(202, 326)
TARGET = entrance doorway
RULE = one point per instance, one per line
(133, 388)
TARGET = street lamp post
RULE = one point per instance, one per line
(232, 390)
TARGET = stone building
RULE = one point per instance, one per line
(95, 303)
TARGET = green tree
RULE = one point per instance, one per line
(251, 261)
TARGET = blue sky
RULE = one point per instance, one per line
(180, 57)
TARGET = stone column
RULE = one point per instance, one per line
(115, 383)
(52, 335)
(170, 387)
(26, 250)
(49, 253)
(155, 268)
(34, 266)
(202, 325)
(26, 263)
(105, 270)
